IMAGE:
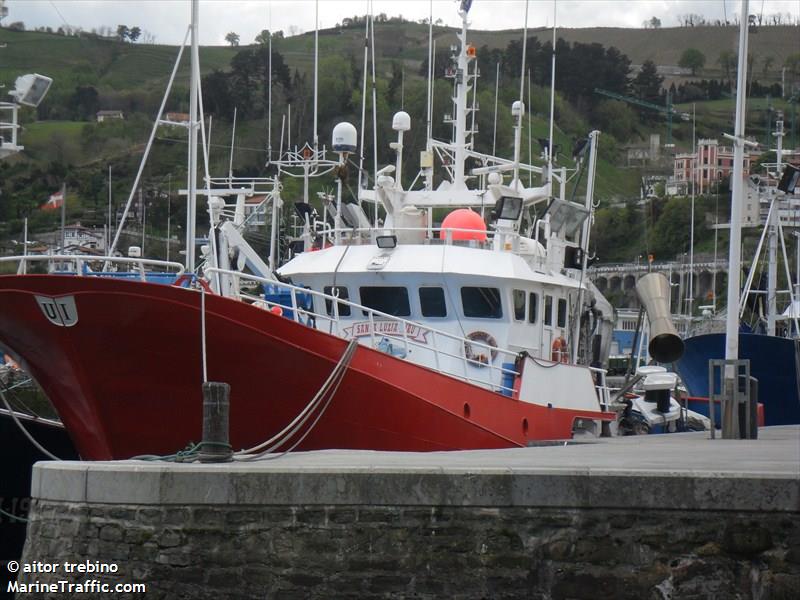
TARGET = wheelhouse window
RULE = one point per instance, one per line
(519, 305)
(340, 292)
(390, 300)
(562, 312)
(548, 310)
(481, 302)
(533, 308)
(431, 301)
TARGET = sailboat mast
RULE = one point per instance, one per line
(772, 265)
(191, 199)
(734, 252)
(690, 297)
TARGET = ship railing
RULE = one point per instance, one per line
(79, 265)
(474, 361)
(370, 235)
(601, 387)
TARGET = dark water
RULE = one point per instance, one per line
(17, 456)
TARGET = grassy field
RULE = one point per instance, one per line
(106, 64)
(112, 66)
(119, 65)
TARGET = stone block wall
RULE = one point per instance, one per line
(239, 551)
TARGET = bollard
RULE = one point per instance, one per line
(215, 446)
(737, 396)
(729, 411)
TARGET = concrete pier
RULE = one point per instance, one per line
(666, 516)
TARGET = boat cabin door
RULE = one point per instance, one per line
(549, 334)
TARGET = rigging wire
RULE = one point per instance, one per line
(25, 432)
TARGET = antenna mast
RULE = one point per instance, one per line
(462, 89)
(316, 73)
(552, 103)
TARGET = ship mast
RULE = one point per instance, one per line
(460, 100)
(772, 263)
(734, 252)
(191, 199)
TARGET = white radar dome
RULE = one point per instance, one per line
(345, 138)
(495, 178)
(518, 108)
(401, 121)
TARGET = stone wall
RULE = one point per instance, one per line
(232, 551)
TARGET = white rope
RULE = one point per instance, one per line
(203, 332)
(329, 389)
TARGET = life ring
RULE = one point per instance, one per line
(479, 356)
(559, 352)
(186, 278)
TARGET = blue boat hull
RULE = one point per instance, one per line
(773, 361)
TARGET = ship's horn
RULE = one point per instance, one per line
(665, 345)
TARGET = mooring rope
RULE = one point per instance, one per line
(329, 389)
(266, 449)
(21, 427)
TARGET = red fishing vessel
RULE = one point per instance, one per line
(470, 335)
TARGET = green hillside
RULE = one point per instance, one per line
(66, 145)
(104, 63)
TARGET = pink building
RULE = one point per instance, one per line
(711, 163)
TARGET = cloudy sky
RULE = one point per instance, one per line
(166, 20)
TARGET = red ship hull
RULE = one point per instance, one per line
(126, 377)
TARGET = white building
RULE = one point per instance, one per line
(255, 211)
(78, 238)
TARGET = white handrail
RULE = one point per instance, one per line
(404, 324)
(81, 259)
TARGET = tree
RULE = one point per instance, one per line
(216, 94)
(792, 64)
(122, 32)
(692, 59)
(232, 38)
(767, 63)
(727, 62)
(653, 23)
(616, 118)
(647, 84)
(134, 33)
(263, 37)
(84, 102)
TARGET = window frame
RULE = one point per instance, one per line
(422, 304)
(367, 307)
(344, 310)
(533, 308)
(497, 314)
(524, 308)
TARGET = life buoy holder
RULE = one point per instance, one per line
(480, 356)
(559, 352)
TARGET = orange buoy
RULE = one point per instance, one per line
(276, 310)
(469, 224)
(559, 351)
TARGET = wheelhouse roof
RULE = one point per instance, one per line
(421, 259)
